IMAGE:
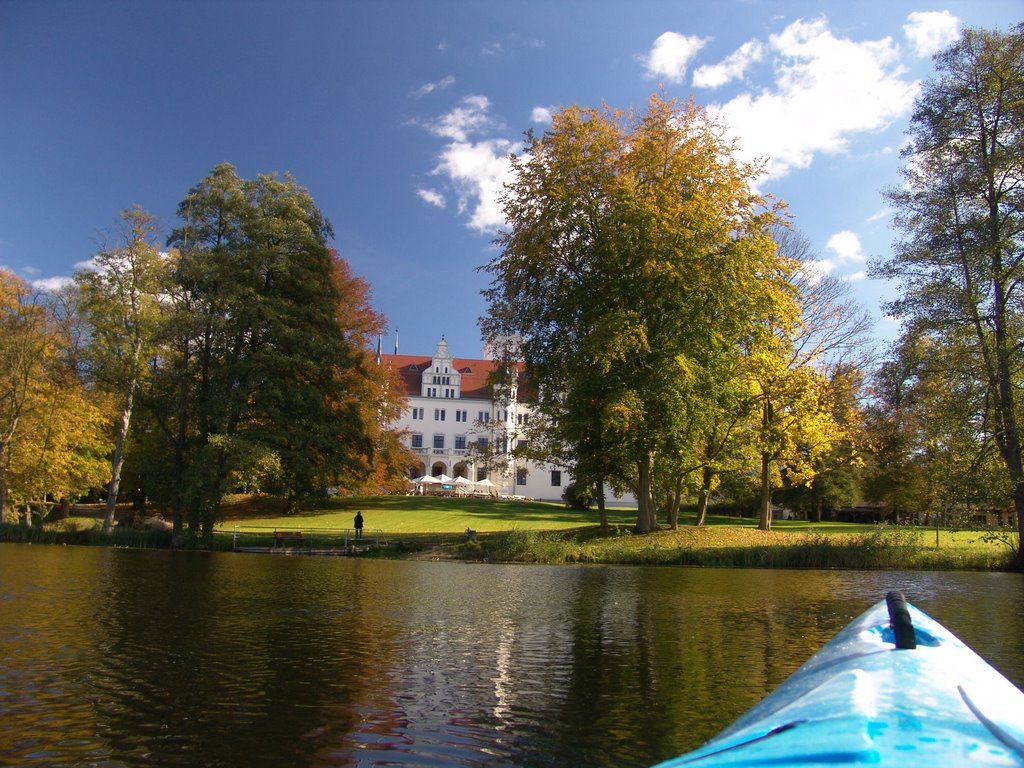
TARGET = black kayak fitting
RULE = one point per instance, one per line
(899, 620)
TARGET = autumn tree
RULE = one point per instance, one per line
(374, 392)
(636, 252)
(52, 438)
(931, 459)
(959, 264)
(791, 370)
(23, 346)
(263, 373)
(119, 298)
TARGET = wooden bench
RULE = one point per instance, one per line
(282, 537)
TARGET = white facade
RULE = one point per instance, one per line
(458, 426)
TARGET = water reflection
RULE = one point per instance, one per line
(143, 658)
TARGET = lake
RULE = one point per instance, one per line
(139, 658)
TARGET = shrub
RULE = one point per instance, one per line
(578, 497)
(536, 547)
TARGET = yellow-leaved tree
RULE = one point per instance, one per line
(637, 258)
(52, 437)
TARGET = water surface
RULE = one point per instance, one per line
(132, 658)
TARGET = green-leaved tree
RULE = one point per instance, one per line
(960, 262)
(636, 254)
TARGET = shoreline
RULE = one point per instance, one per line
(881, 548)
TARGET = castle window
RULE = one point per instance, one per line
(417, 440)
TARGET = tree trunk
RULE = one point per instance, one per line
(816, 510)
(178, 469)
(3, 494)
(117, 460)
(646, 520)
(703, 496)
(1017, 563)
(765, 522)
(817, 503)
(1010, 443)
(602, 512)
(673, 508)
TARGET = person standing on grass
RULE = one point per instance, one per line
(359, 524)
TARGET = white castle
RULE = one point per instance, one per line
(463, 420)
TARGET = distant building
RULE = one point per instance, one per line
(462, 424)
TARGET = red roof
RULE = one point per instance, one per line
(475, 373)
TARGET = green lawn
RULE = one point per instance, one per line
(549, 532)
(433, 514)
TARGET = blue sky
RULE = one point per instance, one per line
(398, 115)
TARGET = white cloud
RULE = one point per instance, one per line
(731, 67)
(469, 117)
(541, 115)
(846, 245)
(440, 85)
(827, 89)
(51, 284)
(816, 269)
(882, 214)
(432, 197)
(930, 31)
(670, 55)
(847, 249)
(478, 170)
(512, 43)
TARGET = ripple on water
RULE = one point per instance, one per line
(127, 658)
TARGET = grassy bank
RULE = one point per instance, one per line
(531, 532)
(743, 546)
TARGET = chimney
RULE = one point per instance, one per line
(396, 341)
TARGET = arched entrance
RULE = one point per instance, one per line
(438, 469)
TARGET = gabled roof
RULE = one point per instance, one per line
(474, 373)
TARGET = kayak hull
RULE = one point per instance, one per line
(861, 700)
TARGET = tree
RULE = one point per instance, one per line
(801, 407)
(119, 298)
(264, 372)
(636, 255)
(24, 348)
(51, 435)
(959, 261)
(932, 458)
